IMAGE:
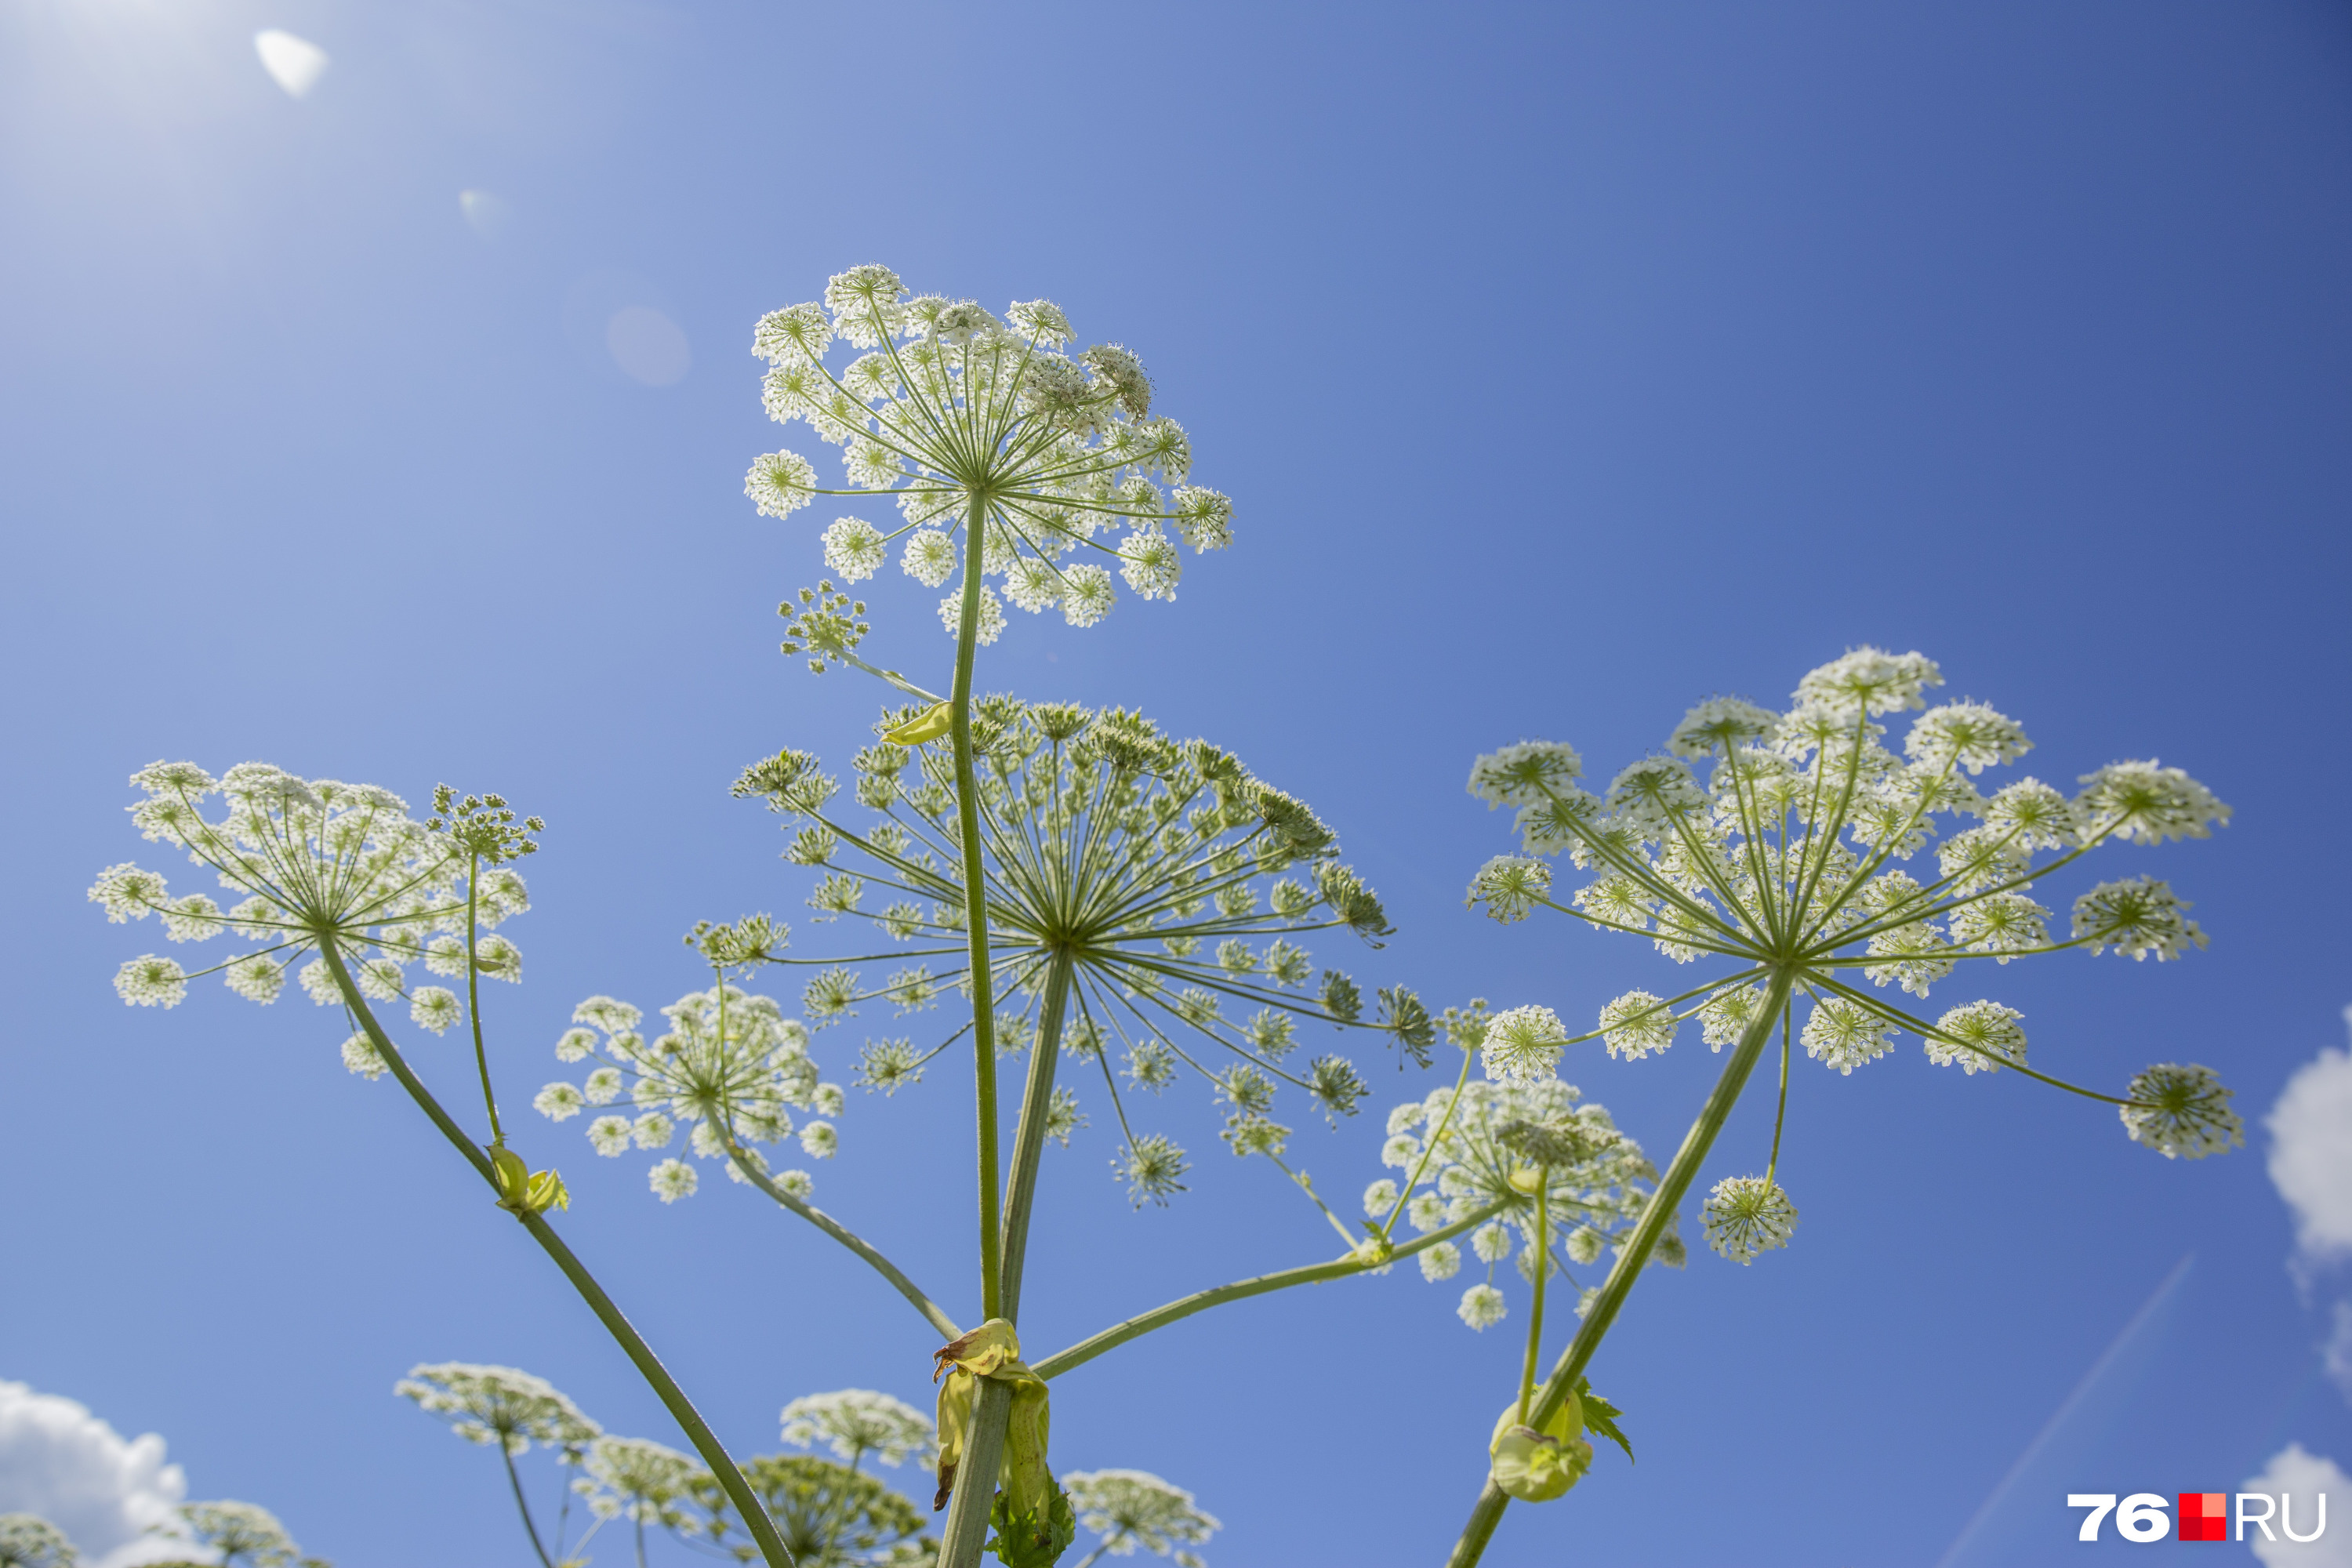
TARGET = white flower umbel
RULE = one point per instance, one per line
(501, 1406)
(1478, 1163)
(993, 442)
(1787, 857)
(729, 1068)
(1175, 888)
(1784, 852)
(1131, 1508)
(856, 1422)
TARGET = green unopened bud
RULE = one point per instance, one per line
(522, 1190)
(1539, 1465)
(512, 1175)
(927, 725)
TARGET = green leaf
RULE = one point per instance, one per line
(1600, 1418)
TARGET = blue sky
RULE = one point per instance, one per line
(1567, 365)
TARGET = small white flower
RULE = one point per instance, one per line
(1636, 1024)
(1150, 561)
(1086, 594)
(359, 1055)
(1748, 1214)
(781, 483)
(1844, 1035)
(256, 978)
(1379, 1198)
(149, 981)
(992, 615)
(653, 1130)
(1523, 1044)
(435, 1007)
(2136, 916)
(1491, 1241)
(854, 548)
(1482, 1306)
(672, 1179)
(1988, 1027)
(2181, 1112)
(558, 1102)
(609, 1135)
(818, 1139)
(1525, 773)
(1443, 1261)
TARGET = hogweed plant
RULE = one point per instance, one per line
(1136, 903)
(1786, 870)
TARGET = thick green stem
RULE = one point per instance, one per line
(976, 1473)
(1118, 1334)
(976, 911)
(967, 1524)
(722, 1464)
(1543, 1272)
(1029, 1138)
(1655, 1218)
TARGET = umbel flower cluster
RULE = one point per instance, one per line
(1831, 870)
(1558, 1180)
(307, 860)
(730, 1065)
(1171, 888)
(983, 429)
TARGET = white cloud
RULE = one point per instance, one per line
(2311, 1154)
(2301, 1476)
(59, 1461)
(294, 64)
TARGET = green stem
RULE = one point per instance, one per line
(649, 1366)
(933, 1313)
(1543, 1271)
(1469, 1054)
(1029, 1138)
(474, 996)
(1118, 1334)
(967, 1522)
(976, 911)
(1656, 1218)
(528, 1528)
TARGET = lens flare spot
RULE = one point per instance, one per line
(648, 346)
(294, 64)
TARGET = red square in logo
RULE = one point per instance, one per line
(2204, 1515)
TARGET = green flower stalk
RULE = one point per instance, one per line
(1003, 455)
(1148, 902)
(1787, 866)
